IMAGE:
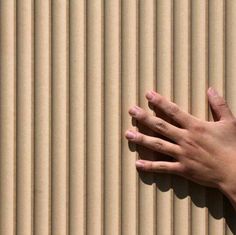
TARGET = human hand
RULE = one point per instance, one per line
(204, 152)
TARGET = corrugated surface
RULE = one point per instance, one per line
(69, 72)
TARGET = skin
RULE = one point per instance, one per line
(203, 152)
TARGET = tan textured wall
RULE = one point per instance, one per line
(69, 72)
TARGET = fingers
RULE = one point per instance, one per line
(159, 166)
(171, 109)
(220, 109)
(154, 143)
(156, 124)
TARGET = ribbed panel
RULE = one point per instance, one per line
(69, 72)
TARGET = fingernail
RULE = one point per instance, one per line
(130, 135)
(149, 95)
(134, 110)
(213, 92)
(139, 164)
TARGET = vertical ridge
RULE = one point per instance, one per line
(190, 227)
(67, 117)
(129, 222)
(103, 124)
(32, 115)
(181, 97)
(164, 84)
(24, 110)
(94, 114)
(216, 79)
(42, 121)
(59, 117)
(172, 98)
(111, 118)
(7, 118)
(224, 49)
(77, 117)
(230, 74)
(224, 93)
(86, 110)
(137, 60)
(198, 104)
(145, 82)
(50, 115)
(120, 115)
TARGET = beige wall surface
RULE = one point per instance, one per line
(69, 72)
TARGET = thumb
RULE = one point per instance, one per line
(219, 107)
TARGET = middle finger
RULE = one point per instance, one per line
(156, 124)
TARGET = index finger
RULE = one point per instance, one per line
(170, 109)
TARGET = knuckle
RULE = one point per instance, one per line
(148, 166)
(158, 145)
(151, 166)
(142, 116)
(189, 172)
(173, 109)
(176, 169)
(160, 125)
(220, 102)
(198, 127)
(158, 99)
(181, 170)
(162, 167)
(140, 138)
(189, 144)
(233, 123)
(186, 170)
(185, 153)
